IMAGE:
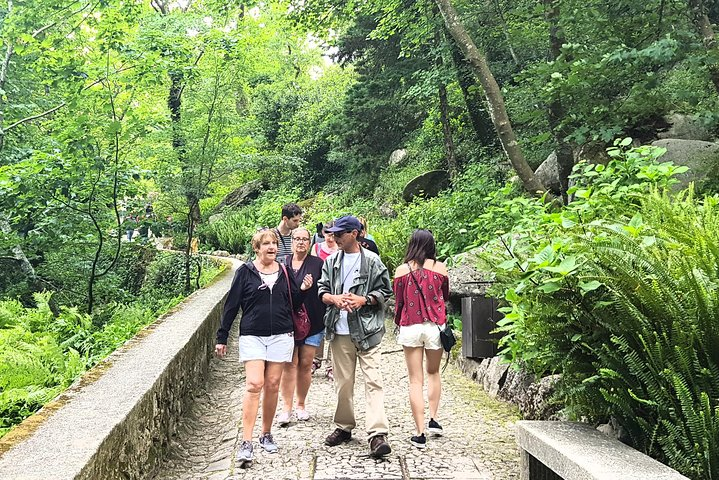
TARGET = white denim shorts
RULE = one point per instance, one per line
(420, 335)
(275, 348)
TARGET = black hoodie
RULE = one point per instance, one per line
(264, 313)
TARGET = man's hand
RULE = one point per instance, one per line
(353, 301)
(336, 300)
(220, 350)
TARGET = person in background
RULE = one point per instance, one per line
(262, 290)
(365, 239)
(298, 374)
(355, 285)
(291, 218)
(421, 288)
(365, 233)
(319, 235)
(130, 225)
(326, 248)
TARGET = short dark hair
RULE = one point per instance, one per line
(421, 247)
(291, 210)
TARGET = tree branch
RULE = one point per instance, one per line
(32, 117)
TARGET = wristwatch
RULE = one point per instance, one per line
(368, 298)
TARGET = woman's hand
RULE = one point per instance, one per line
(306, 282)
(220, 350)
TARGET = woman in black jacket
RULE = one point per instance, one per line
(262, 289)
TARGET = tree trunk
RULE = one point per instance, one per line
(699, 15)
(505, 31)
(449, 151)
(556, 111)
(17, 251)
(481, 123)
(188, 252)
(495, 100)
(3, 78)
(174, 103)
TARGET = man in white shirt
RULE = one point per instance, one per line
(355, 284)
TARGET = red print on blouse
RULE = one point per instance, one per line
(433, 287)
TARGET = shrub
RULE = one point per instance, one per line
(618, 292)
(42, 352)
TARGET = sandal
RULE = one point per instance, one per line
(315, 365)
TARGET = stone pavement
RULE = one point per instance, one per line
(478, 441)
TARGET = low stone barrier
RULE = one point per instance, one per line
(117, 419)
(577, 451)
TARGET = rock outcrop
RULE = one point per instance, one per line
(427, 185)
(701, 157)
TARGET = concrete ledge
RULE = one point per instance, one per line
(115, 421)
(577, 451)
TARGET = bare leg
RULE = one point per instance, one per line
(414, 358)
(320, 353)
(254, 382)
(273, 373)
(434, 382)
(304, 373)
(289, 380)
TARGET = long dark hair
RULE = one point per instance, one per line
(421, 247)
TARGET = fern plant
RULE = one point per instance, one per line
(619, 292)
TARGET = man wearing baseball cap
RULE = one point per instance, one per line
(355, 285)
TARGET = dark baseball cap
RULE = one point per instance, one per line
(346, 224)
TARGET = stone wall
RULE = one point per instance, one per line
(500, 380)
(115, 422)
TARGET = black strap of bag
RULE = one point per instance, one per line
(429, 316)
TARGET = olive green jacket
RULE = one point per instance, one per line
(367, 323)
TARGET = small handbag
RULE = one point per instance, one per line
(300, 318)
(446, 336)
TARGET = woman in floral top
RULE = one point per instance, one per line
(421, 288)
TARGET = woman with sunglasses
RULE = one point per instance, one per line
(421, 287)
(298, 374)
(262, 289)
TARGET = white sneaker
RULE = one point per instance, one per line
(268, 443)
(302, 414)
(244, 454)
(283, 419)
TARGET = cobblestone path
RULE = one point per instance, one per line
(478, 441)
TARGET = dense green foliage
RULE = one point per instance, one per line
(617, 292)
(43, 349)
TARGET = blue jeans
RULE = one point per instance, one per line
(314, 340)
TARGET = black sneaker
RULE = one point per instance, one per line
(434, 427)
(338, 437)
(378, 446)
(419, 441)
